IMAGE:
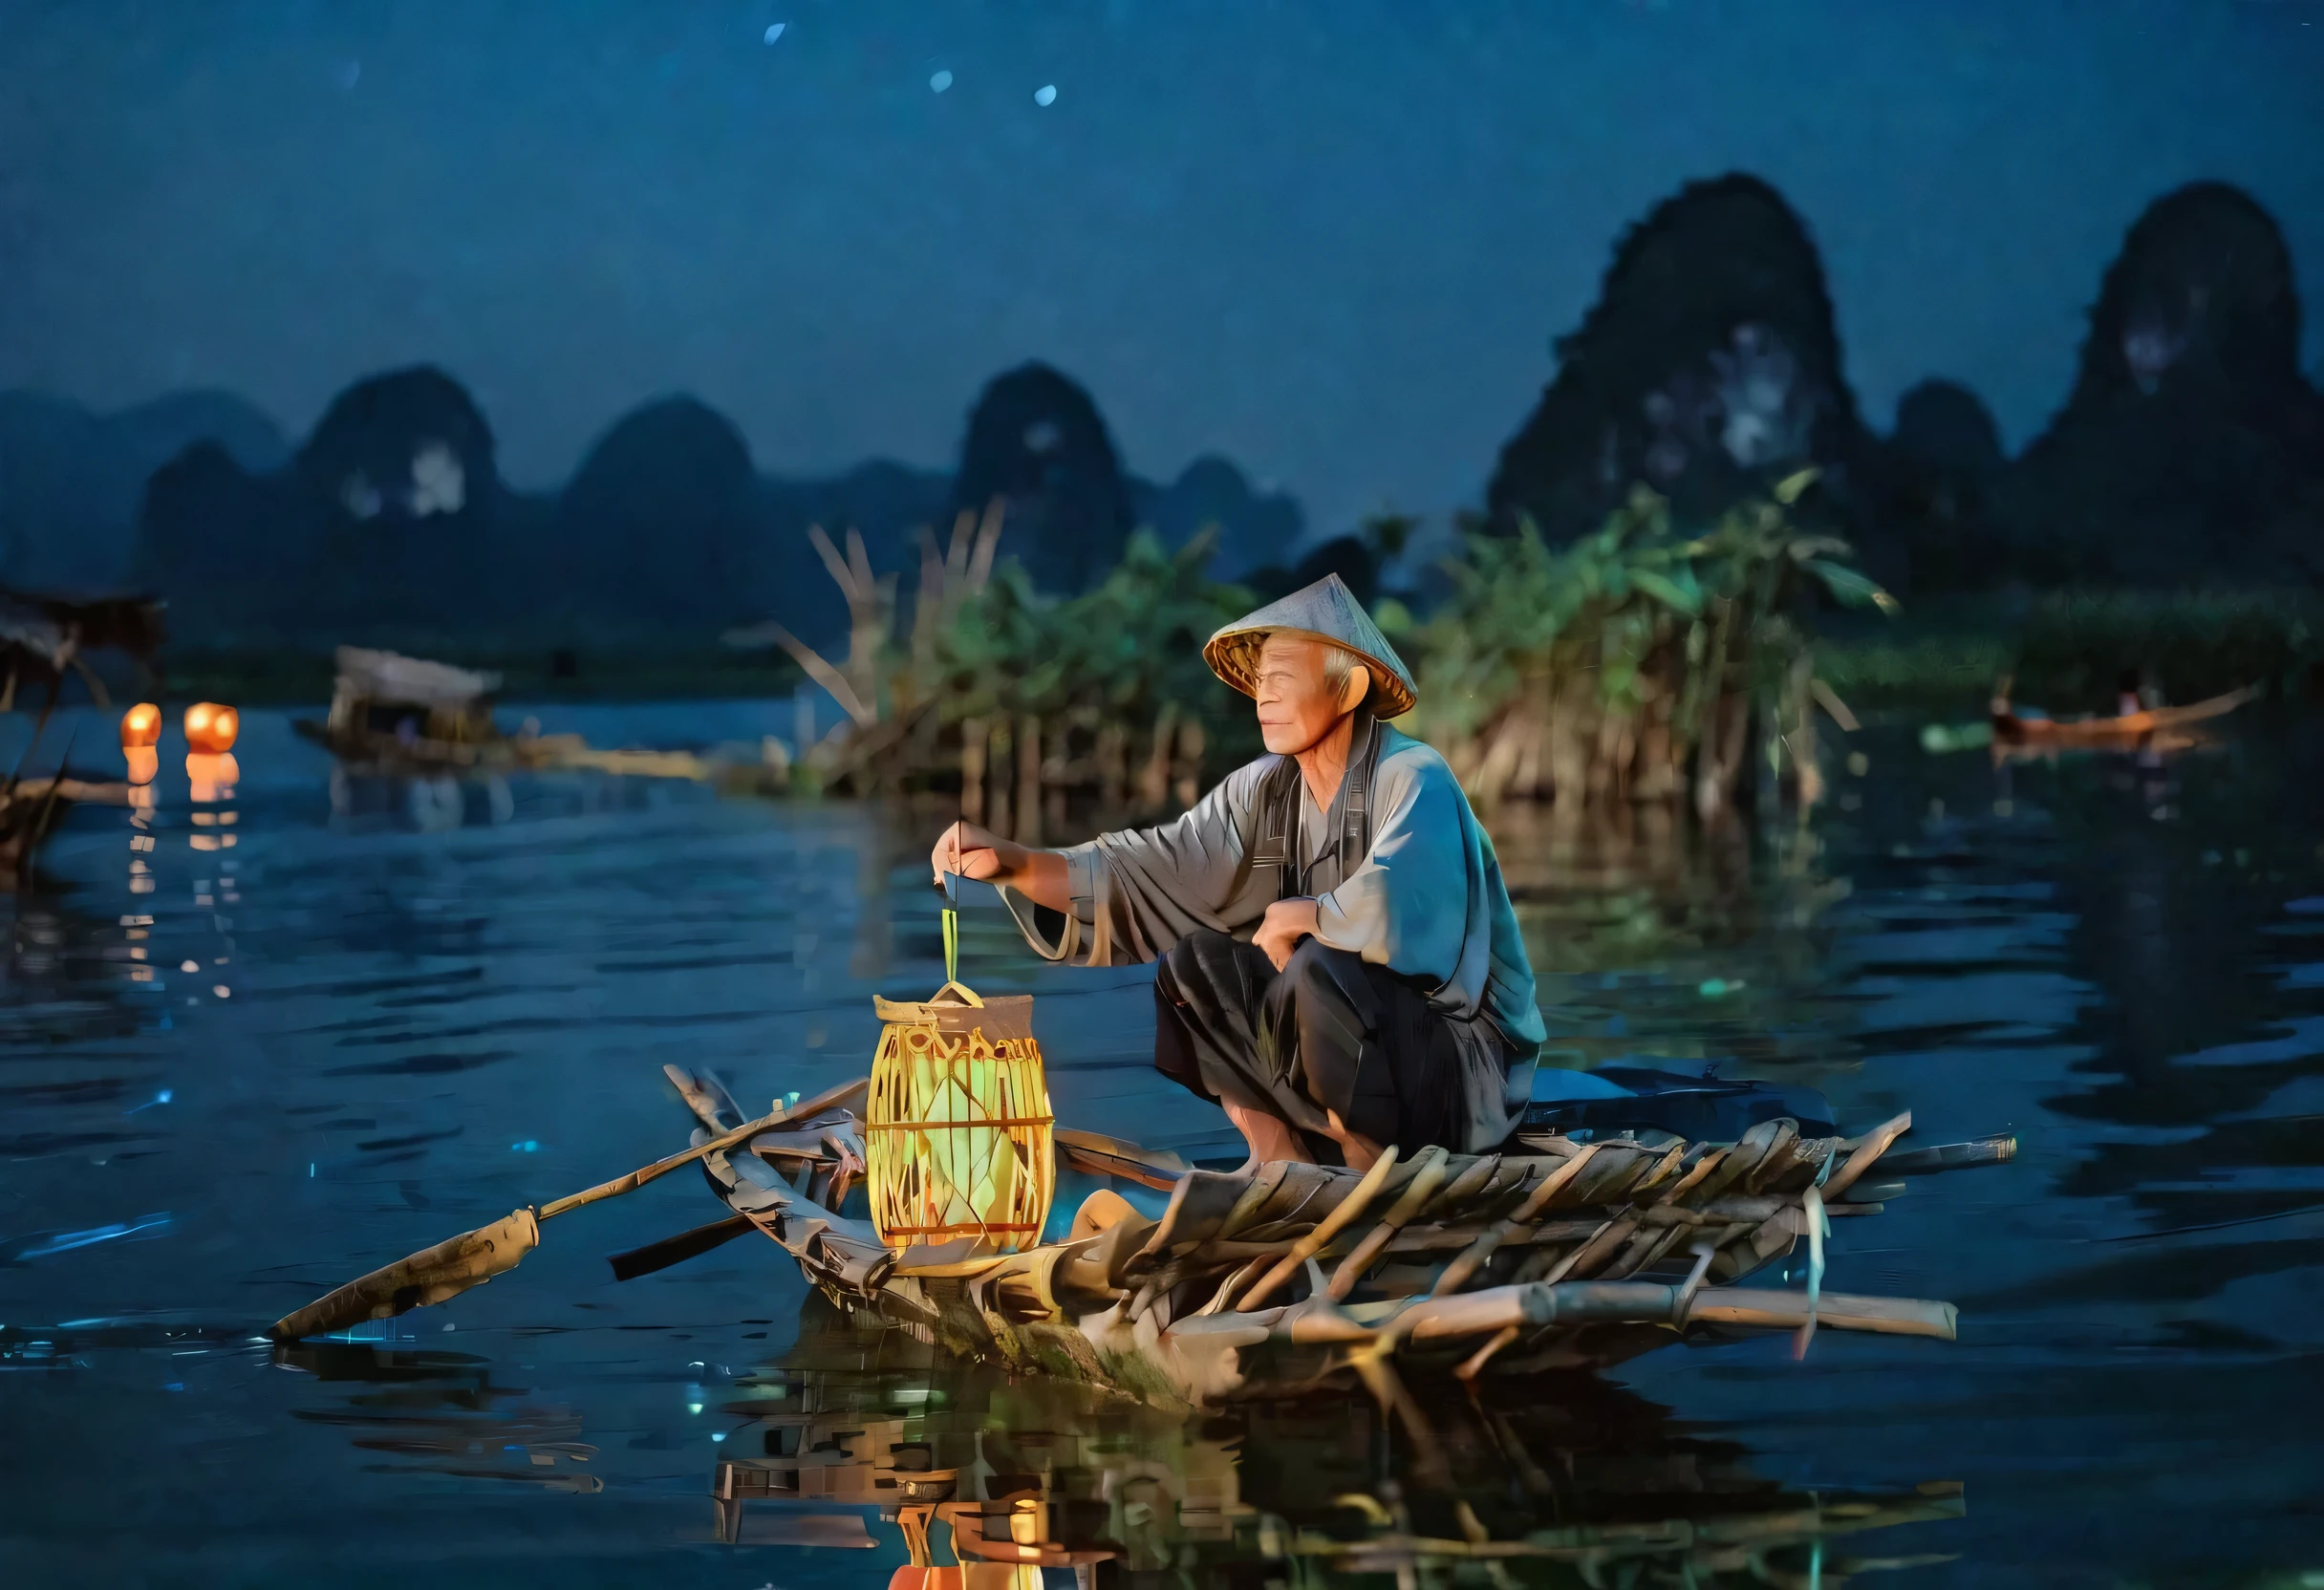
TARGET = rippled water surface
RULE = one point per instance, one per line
(269, 1053)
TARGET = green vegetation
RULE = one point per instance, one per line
(1637, 662)
(1027, 706)
(2068, 651)
(1642, 663)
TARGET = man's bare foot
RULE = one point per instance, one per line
(1360, 1151)
(1270, 1137)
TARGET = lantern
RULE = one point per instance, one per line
(957, 1125)
(141, 728)
(210, 727)
(145, 761)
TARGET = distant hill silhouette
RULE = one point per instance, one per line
(391, 516)
(663, 516)
(1257, 528)
(391, 523)
(1037, 443)
(71, 481)
(1707, 367)
(2192, 446)
(1931, 527)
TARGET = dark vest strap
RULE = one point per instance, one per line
(1273, 842)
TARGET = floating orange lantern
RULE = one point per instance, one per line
(210, 727)
(140, 726)
(145, 761)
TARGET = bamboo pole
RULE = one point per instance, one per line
(1191, 746)
(974, 732)
(997, 780)
(1028, 780)
(1153, 780)
(1428, 1175)
(1330, 1226)
(1457, 1273)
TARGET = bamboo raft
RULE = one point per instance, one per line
(1552, 1254)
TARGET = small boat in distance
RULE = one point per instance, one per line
(399, 714)
(2162, 728)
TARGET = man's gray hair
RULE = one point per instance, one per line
(1338, 663)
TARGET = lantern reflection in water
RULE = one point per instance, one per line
(212, 780)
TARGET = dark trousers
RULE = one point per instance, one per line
(1330, 1031)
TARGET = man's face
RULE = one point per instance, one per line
(1296, 707)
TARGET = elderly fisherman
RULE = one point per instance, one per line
(1341, 968)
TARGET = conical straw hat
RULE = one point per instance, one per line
(1326, 611)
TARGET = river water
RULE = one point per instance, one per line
(339, 1021)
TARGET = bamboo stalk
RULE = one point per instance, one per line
(974, 732)
(1028, 780)
(1868, 1150)
(1349, 1208)
(1191, 744)
(997, 780)
(1153, 780)
(1457, 1273)
(1428, 1175)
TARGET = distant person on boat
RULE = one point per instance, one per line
(1341, 968)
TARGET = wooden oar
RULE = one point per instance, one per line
(473, 1257)
(676, 1250)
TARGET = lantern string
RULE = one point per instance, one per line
(952, 928)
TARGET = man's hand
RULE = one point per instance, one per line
(1287, 923)
(974, 852)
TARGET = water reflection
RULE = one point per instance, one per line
(1558, 1479)
(1600, 888)
(429, 1025)
(442, 1414)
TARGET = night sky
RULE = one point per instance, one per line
(1331, 240)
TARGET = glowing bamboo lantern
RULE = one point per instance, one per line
(212, 728)
(141, 728)
(957, 1125)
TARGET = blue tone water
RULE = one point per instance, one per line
(271, 1052)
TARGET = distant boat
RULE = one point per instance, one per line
(2128, 730)
(394, 713)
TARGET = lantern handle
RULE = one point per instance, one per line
(968, 995)
(951, 914)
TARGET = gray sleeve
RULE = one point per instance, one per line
(1139, 891)
(1406, 907)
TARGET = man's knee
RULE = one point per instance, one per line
(1194, 961)
(1324, 984)
(1315, 966)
